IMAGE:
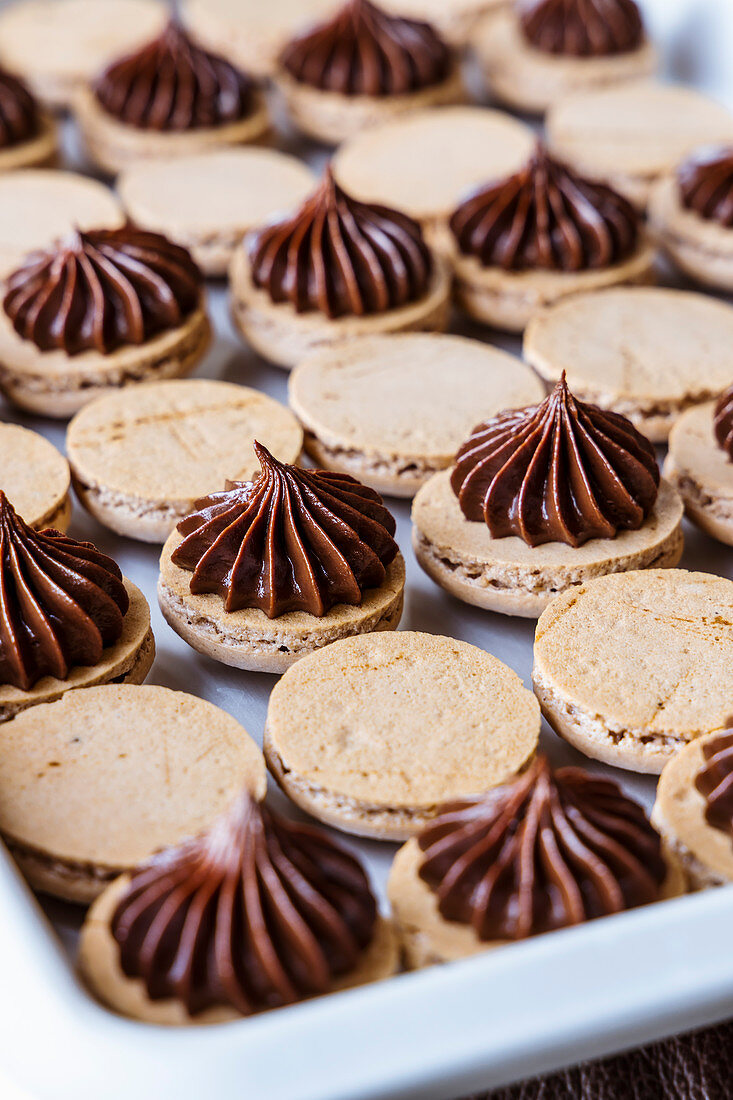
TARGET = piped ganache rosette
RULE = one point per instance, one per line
(543, 498)
(269, 570)
(27, 133)
(691, 211)
(694, 808)
(536, 51)
(68, 618)
(334, 269)
(98, 310)
(362, 66)
(548, 850)
(528, 240)
(256, 913)
(167, 99)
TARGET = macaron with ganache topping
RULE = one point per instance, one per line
(169, 98)
(691, 213)
(35, 478)
(364, 66)
(92, 785)
(335, 269)
(542, 499)
(275, 913)
(271, 569)
(27, 133)
(68, 618)
(550, 849)
(373, 733)
(534, 52)
(99, 310)
(527, 241)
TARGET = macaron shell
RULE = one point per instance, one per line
(35, 477)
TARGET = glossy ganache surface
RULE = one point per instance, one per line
(545, 217)
(723, 422)
(102, 289)
(705, 183)
(547, 850)
(174, 85)
(364, 50)
(341, 257)
(715, 781)
(291, 540)
(61, 602)
(20, 118)
(563, 471)
(255, 913)
(582, 28)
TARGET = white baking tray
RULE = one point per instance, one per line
(441, 1033)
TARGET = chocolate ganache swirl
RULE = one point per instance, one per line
(705, 183)
(61, 602)
(340, 256)
(173, 85)
(545, 851)
(723, 422)
(102, 289)
(562, 471)
(715, 781)
(292, 540)
(20, 118)
(545, 217)
(255, 913)
(582, 28)
(365, 51)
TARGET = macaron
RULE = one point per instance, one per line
(393, 410)
(269, 570)
(58, 45)
(692, 810)
(70, 619)
(372, 734)
(536, 53)
(39, 205)
(35, 478)
(171, 97)
(96, 311)
(667, 632)
(542, 499)
(484, 872)
(95, 783)
(395, 163)
(457, 20)
(27, 133)
(634, 133)
(141, 458)
(209, 201)
(699, 464)
(306, 924)
(647, 353)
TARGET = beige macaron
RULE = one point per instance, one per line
(35, 477)
(648, 353)
(423, 164)
(59, 45)
(208, 201)
(704, 851)
(39, 205)
(141, 457)
(702, 472)
(632, 134)
(457, 20)
(373, 734)
(510, 577)
(250, 640)
(93, 784)
(631, 667)
(282, 335)
(700, 247)
(531, 80)
(126, 661)
(393, 410)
